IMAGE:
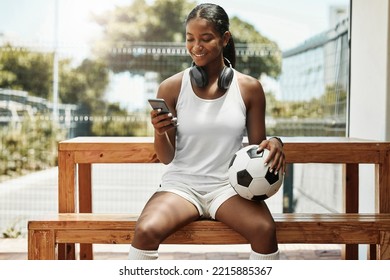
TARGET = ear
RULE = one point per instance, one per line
(226, 38)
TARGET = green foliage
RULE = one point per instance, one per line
(130, 27)
(162, 21)
(270, 60)
(116, 122)
(85, 85)
(330, 104)
(28, 146)
(12, 232)
(21, 69)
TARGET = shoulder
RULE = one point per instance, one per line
(169, 89)
(173, 82)
(251, 89)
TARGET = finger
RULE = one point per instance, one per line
(270, 157)
(274, 167)
(282, 164)
(159, 118)
(263, 145)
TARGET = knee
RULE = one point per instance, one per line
(147, 235)
(264, 229)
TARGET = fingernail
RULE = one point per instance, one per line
(169, 114)
(271, 170)
(276, 172)
(159, 110)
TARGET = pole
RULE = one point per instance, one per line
(55, 62)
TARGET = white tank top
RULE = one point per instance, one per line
(208, 135)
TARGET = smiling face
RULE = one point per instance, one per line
(203, 41)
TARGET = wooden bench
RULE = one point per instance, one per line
(45, 234)
(76, 157)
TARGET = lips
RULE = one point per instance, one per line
(198, 55)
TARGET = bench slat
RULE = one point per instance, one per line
(291, 228)
(121, 221)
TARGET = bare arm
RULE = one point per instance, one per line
(254, 99)
(164, 128)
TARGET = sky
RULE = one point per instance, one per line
(287, 22)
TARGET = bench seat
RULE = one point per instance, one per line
(90, 228)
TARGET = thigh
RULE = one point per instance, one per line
(244, 215)
(165, 212)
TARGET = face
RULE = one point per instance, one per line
(203, 42)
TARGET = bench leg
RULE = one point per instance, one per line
(372, 252)
(351, 200)
(86, 252)
(384, 248)
(41, 245)
(351, 252)
(85, 203)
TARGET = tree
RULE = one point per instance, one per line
(21, 69)
(84, 85)
(261, 54)
(130, 34)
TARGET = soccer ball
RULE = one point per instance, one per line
(250, 178)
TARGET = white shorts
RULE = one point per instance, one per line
(208, 203)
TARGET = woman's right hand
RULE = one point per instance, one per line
(162, 122)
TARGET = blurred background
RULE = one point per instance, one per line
(86, 68)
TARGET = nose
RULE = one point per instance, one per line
(198, 47)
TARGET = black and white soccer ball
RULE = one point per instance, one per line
(250, 178)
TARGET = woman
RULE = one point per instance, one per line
(215, 105)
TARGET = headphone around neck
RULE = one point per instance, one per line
(199, 76)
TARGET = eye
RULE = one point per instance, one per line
(207, 38)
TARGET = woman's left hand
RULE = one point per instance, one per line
(276, 158)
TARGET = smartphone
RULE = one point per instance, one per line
(159, 103)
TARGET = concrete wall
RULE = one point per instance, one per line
(369, 103)
(369, 100)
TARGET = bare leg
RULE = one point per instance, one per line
(164, 213)
(252, 220)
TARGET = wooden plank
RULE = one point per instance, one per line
(66, 194)
(103, 143)
(383, 184)
(351, 193)
(201, 233)
(308, 154)
(351, 203)
(333, 225)
(41, 245)
(66, 178)
(291, 228)
(117, 221)
(133, 155)
(85, 184)
(85, 203)
(384, 250)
